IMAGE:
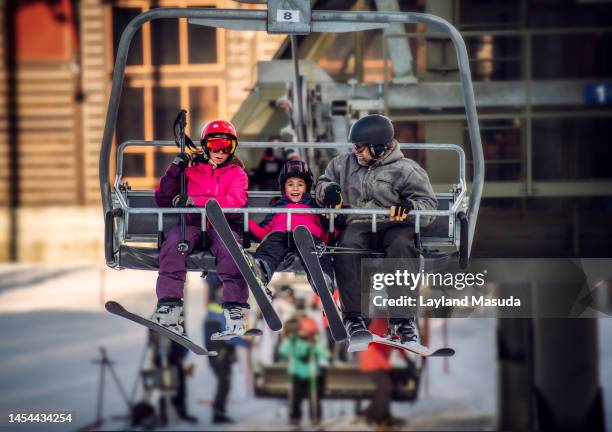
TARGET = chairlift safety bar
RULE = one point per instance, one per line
(373, 213)
(283, 145)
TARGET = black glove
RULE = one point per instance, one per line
(182, 201)
(332, 196)
(181, 160)
(399, 212)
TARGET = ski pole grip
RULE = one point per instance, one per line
(181, 119)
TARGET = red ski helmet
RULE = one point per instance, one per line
(295, 168)
(219, 129)
(308, 327)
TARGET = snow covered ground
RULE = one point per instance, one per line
(52, 323)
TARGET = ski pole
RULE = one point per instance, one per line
(181, 119)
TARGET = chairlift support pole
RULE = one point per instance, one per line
(297, 91)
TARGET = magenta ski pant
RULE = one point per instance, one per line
(173, 265)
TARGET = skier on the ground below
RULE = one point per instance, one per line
(219, 174)
(374, 175)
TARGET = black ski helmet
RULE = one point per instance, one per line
(374, 130)
(295, 168)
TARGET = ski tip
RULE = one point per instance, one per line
(111, 306)
(253, 332)
(443, 352)
(276, 326)
(339, 337)
(212, 202)
(223, 337)
(356, 347)
(201, 351)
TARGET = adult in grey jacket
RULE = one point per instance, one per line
(374, 175)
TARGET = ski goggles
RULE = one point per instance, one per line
(295, 166)
(221, 144)
(359, 148)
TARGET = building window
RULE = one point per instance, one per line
(165, 42)
(204, 102)
(171, 65)
(502, 146)
(166, 105)
(130, 119)
(121, 18)
(134, 164)
(571, 149)
(202, 43)
(164, 39)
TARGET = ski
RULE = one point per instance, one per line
(215, 215)
(359, 341)
(249, 332)
(116, 309)
(306, 248)
(414, 347)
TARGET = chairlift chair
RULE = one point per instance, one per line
(132, 218)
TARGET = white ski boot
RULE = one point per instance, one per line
(169, 313)
(235, 324)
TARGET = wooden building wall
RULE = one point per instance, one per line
(48, 154)
(62, 97)
(4, 149)
(95, 84)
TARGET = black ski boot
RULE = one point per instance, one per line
(404, 329)
(262, 272)
(358, 335)
(354, 324)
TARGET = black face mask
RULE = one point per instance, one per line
(377, 150)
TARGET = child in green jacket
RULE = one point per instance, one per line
(305, 356)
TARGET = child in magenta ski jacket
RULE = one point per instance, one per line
(295, 182)
(219, 175)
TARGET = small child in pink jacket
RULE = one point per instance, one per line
(295, 182)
